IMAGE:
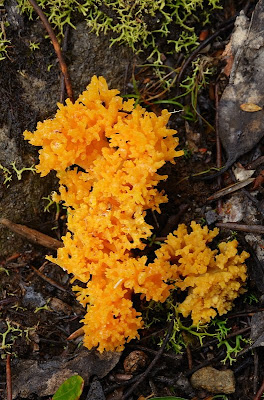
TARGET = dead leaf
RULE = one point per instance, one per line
(230, 189)
(259, 180)
(250, 107)
(44, 377)
(229, 59)
(257, 330)
(240, 131)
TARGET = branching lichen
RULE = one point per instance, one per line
(140, 24)
(58, 12)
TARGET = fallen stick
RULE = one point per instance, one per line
(241, 227)
(32, 235)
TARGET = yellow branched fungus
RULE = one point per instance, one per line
(106, 154)
(213, 278)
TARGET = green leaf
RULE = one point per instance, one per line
(71, 389)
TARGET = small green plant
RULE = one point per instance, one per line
(49, 67)
(232, 349)
(58, 12)
(4, 43)
(198, 79)
(34, 46)
(11, 334)
(9, 337)
(43, 308)
(152, 240)
(51, 202)
(187, 153)
(8, 175)
(250, 298)
(58, 206)
(132, 23)
(20, 171)
(221, 329)
(184, 335)
(187, 42)
(2, 269)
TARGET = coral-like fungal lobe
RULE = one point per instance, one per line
(107, 153)
(213, 278)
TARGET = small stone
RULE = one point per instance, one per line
(32, 298)
(211, 217)
(135, 361)
(213, 380)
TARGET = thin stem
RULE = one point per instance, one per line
(57, 49)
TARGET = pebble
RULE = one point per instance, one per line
(135, 361)
(213, 380)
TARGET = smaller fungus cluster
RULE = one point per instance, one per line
(213, 278)
(107, 154)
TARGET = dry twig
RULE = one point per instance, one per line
(79, 332)
(230, 189)
(259, 229)
(218, 145)
(50, 281)
(57, 49)
(260, 392)
(8, 378)
(152, 364)
(32, 235)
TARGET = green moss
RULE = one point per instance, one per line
(140, 24)
(58, 12)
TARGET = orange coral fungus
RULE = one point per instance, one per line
(106, 154)
(213, 278)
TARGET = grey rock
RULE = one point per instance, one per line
(33, 298)
(92, 55)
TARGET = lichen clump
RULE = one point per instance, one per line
(106, 154)
(140, 24)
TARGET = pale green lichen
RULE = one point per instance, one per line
(4, 42)
(138, 23)
(58, 12)
(8, 175)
